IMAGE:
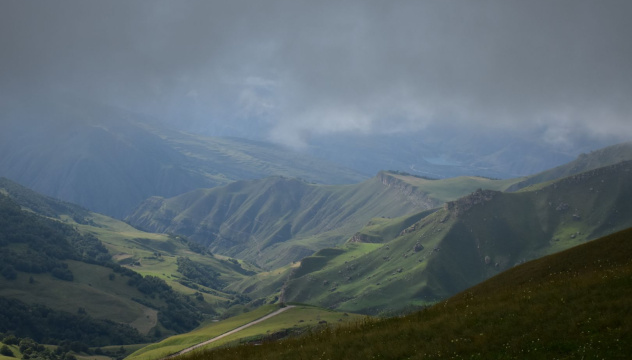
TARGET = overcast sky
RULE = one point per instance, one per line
(297, 69)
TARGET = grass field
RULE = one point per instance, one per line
(15, 349)
(571, 305)
(137, 250)
(91, 289)
(294, 319)
(205, 332)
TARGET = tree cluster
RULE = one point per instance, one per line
(179, 312)
(34, 244)
(45, 325)
(199, 273)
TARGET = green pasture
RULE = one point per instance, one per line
(156, 255)
(296, 318)
(206, 331)
(91, 290)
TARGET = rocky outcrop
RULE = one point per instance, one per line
(414, 227)
(364, 238)
(412, 193)
(464, 204)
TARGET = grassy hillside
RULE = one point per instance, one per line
(462, 244)
(207, 331)
(275, 221)
(86, 267)
(292, 321)
(585, 162)
(272, 221)
(442, 190)
(52, 275)
(145, 253)
(158, 254)
(571, 305)
(264, 286)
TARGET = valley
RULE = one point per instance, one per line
(275, 221)
(213, 259)
(201, 180)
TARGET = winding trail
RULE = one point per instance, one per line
(230, 332)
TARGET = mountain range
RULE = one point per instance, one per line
(109, 160)
(392, 242)
(422, 259)
(275, 221)
(573, 304)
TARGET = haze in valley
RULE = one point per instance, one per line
(441, 87)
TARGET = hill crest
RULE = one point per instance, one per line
(464, 243)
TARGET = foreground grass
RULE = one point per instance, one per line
(293, 320)
(176, 343)
(571, 305)
(296, 319)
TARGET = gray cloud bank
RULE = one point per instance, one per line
(296, 69)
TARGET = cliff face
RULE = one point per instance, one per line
(411, 192)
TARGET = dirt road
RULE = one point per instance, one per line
(230, 332)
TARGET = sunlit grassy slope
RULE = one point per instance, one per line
(275, 221)
(570, 305)
(264, 285)
(15, 349)
(467, 241)
(292, 320)
(100, 291)
(137, 250)
(205, 332)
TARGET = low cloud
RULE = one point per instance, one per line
(297, 69)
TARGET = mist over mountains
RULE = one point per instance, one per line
(435, 89)
(172, 171)
(109, 159)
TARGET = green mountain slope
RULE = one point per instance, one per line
(183, 264)
(275, 221)
(571, 305)
(599, 158)
(45, 262)
(109, 160)
(62, 261)
(464, 243)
